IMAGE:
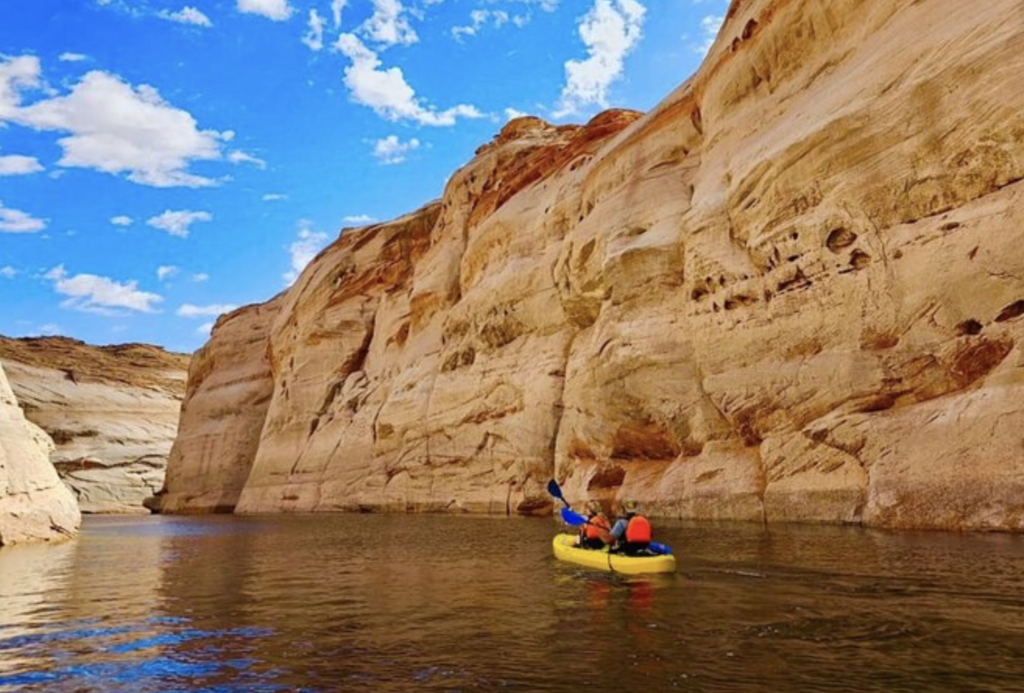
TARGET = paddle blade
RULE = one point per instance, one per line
(555, 490)
(572, 518)
(659, 548)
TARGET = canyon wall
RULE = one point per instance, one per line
(794, 291)
(34, 504)
(112, 412)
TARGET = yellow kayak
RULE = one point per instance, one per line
(600, 559)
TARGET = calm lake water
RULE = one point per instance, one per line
(433, 603)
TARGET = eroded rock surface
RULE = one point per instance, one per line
(111, 411)
(794, 291)
(34, 504)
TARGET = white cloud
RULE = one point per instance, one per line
(314, 37)
(336, 7)
(359, 219)
(8, 272)
(305, 247)
(72, 57)
(278, 10)
(610, 31)
(272, 197)
(200, 277)
(93, 294)
(121, 221)
(16, 75)
(239, 157)
(709, 27)
(177, 223)
(16, 221)
(387, 92)
(478, 19)
(392, 150)
(166, 271)
(186, 15)
(512, 114)
(206, 328)
(17, 165)
(387, 25)
(114, 127)
(187, 310)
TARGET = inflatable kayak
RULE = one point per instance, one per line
(600, 559)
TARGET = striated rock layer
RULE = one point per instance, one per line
(112, 412)
(34, 504)
(794, 291)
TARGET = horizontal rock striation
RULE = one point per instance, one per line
(34, 504)
(794, 291)
(112, 412)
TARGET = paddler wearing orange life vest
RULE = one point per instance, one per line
(632, 532)
(595, 534)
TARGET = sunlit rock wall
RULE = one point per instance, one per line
(794, 291)
(34, 504)
(112, 412)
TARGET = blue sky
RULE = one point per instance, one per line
(162, 162)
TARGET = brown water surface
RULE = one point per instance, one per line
(433, 603)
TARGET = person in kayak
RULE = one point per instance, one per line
(632, 531)
(596, 533)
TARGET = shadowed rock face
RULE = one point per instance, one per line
(34, 504)
(794, 291)
(111, 411)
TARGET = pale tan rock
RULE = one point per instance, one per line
(112, 411)
(794, 291)
(34, 504)
(229, 390)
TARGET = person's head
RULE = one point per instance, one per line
(594, 507)
(630, 507)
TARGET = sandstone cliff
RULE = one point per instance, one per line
(112, 412)
(34, 504)
(794, 291)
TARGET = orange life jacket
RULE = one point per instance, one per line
(598, 528)
(638, 530)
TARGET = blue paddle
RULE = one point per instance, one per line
(570, 517)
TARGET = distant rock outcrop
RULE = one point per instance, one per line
(112, 412)
(34, 504)
(794, 291)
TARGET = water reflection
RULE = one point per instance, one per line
(391, 603)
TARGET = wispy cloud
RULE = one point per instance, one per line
(178, 223)
(166, 272)
(8, 272)
(121, 220)
(336, 7)
(610, 30)
(305, 247)
(387, 92)
(200, 277)
(188, 310)
(359, 219)
(94, 294)
(392, 150)
(479, 19)
(709, 27)
(72, 57)
(273, 197)
(17, 165)
(388, 25)
(314, 37)
(186, 15)
(239, 157)
(16, 221)
(278, 10)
